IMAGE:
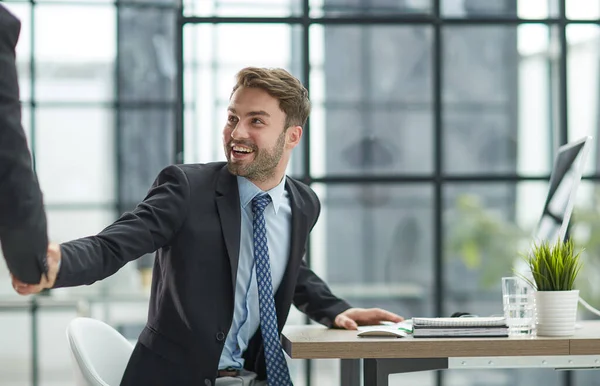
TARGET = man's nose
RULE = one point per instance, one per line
(240, 131)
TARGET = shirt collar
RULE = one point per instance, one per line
(248, 191)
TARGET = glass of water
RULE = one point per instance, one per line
(519, 306)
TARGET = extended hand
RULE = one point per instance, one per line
(353, 317)
(53, 259)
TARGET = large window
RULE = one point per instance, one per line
(431, 139)
(97, 81)
(432, 136)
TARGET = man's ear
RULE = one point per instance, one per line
(293, 136)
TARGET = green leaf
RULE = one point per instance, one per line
(554, 267)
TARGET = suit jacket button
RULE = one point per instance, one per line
(220, 336)
(207, 382)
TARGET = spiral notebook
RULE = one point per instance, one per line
(460, 327)
(471, 321)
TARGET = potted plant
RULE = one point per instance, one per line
(554, 269)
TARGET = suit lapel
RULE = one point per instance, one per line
(228, 206)
(299, 234)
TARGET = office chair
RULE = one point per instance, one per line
(99, 353)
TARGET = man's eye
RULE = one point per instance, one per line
(256, 120)
(232, 119)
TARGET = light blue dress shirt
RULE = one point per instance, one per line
(246, 318)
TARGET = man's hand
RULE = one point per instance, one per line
(353, 317)
(47, 280)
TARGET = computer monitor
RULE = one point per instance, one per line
(564, 181)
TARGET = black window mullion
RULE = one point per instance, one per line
(438, 236)
(562, 82)
(306, 167)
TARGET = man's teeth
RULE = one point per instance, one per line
(242, 149)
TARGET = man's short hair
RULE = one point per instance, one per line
(280, 84)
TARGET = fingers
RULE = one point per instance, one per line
(24, 288)
(383, 315)
(54, 249)
(345, 322)
(376, 316)
(53, 258)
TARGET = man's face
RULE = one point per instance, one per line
(254, 136)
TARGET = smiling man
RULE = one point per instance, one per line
(229, 240)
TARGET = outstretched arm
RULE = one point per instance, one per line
(144, 230)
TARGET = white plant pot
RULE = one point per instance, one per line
(556, 312)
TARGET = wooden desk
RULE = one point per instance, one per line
(385, 356)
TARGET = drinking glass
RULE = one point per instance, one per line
(519, 306)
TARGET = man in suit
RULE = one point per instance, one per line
(22, 218)
(230, 239)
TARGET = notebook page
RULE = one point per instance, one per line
(460, 322)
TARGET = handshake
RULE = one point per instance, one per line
(47, 280)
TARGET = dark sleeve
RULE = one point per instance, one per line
(23, 233)
(314, 298)
(312, 295)
(149, 227)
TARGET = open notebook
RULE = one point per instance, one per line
(438, 327)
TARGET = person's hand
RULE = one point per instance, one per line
(354, 317)
(47, 280)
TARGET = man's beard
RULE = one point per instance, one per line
(263, 166)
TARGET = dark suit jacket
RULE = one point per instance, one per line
(22, 219)
(192, 218)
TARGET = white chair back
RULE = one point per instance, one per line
(100, 354)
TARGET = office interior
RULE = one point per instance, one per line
(430, 144)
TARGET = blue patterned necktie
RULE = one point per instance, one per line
(277, 370)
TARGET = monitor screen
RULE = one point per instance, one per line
(564, 180)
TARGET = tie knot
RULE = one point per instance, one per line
(260, 202)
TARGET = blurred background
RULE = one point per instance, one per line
(432, 136)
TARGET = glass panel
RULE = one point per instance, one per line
(70, 224)
(145, 147)
(150, 3)
(332, 8)
(54, 355)
(147, 63)
(585, 232)
(583, 85)
(382, 257)
(484, 225)
(583, 9)
(498, 84)
(75, 155)
(371, 92)
(485, 228)
(509, 377)
(210, 68)
(15, 336)
(74, 66)
(23, 49)
(524, 9)
(78, 2)
(242, 8)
